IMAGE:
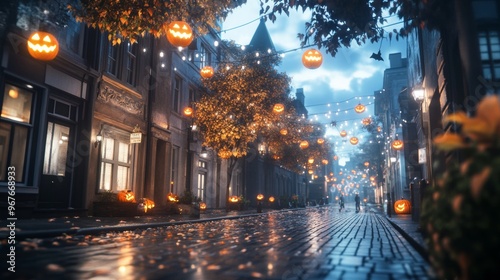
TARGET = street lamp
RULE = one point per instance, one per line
(418, 94)
(189, 112)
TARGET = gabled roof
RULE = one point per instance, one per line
(261, 39)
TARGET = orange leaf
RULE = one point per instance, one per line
(449, 141)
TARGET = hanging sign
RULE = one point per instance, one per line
(136, 135)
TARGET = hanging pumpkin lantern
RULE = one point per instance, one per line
(324, 161)
(402, 206)
(188, 111)
(271, 199)
(397, 144)
(367, 163)
(278, 108)
(260, 197)
(43, 46)
(354, 140)
(367, 121)
(203, 206)
(343, 133)
(207, 72)
(284, 131)
(180, 34)
(310, 171)
(310, 160)
(320, 141)
(126, 196)
(360, 108)
(335, 157)
(379, 129)
(312, 59)
(304, 144)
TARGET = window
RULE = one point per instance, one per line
(112, 66)
(176, 94)
(15, 127)
(202, 180)
(205, 56)
(116, 164)
(131, 62)
(174, 163)
(56, 149)
(489, 46)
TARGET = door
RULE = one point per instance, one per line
(55, 188)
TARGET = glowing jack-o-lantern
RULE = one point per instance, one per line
(343, 133)
(43, 46)
(146, 204)
(360, 108)
(271, 199)
(188, 111)
(320, 141)
(172, 197)
(402, 206)
(260, 197)
(312, 58)
(367, 121)
(397, 144)
(180, 34)
(304, 144)
(126, 196)
(324, 161)
(234, 199)
(203, 206)
(284, 131)
(278, 108)
(354, 140)
(207, 72)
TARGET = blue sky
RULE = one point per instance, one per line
(331, 91)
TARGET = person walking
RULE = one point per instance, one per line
(341, 203)
(358, 202)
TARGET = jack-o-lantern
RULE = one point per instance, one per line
(343, 133)
(360, 108)
(320, 141)
(397, 144)
(207, 72)
(180, 34)
(402, 206)
(324, 161)
(146, 204)
(304, 144)
(278, 108)
(367, 121)
(188, 111)
(234, 199)
(126, 196)
(260, 197)
(354, 140)
(271, 199)
(203, 206)
(335, 157)
(171, 197)
(43, 46)
(284, 131)
(312, 58)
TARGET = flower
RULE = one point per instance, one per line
(463, 208)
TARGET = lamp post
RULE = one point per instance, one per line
(189, 112)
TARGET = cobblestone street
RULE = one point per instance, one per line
(311, 243)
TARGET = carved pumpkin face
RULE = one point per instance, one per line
(284, 131)
(234, 199)
(354, 140)
(207, 72)
(360, 108)
(367, 121)
(260, 196)
(203, 206)
(278, 108)
(343, 133)
(402, 206)
(180, 34)
(188, 111)
(312, 59)
(172, 197)
(397, 144)
(304, 144)
(43, 46)
(126, 196)
(320, 141)
(271, 199)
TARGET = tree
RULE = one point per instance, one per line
(337, 23)
(238, 104)
(132, 19)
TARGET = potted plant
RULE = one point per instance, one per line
(107, 204)
(461, 214)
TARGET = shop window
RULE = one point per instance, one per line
(116, 160)
(15, 128)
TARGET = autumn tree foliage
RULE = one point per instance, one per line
(132, 19)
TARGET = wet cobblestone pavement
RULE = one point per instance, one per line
(311, 243)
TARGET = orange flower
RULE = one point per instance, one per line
(449, 141)
(477, 181)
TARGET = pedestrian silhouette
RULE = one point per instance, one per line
(358, 201)
(341, 203)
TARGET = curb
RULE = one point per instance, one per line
(419, 248)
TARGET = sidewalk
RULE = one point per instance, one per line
(74, 225)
